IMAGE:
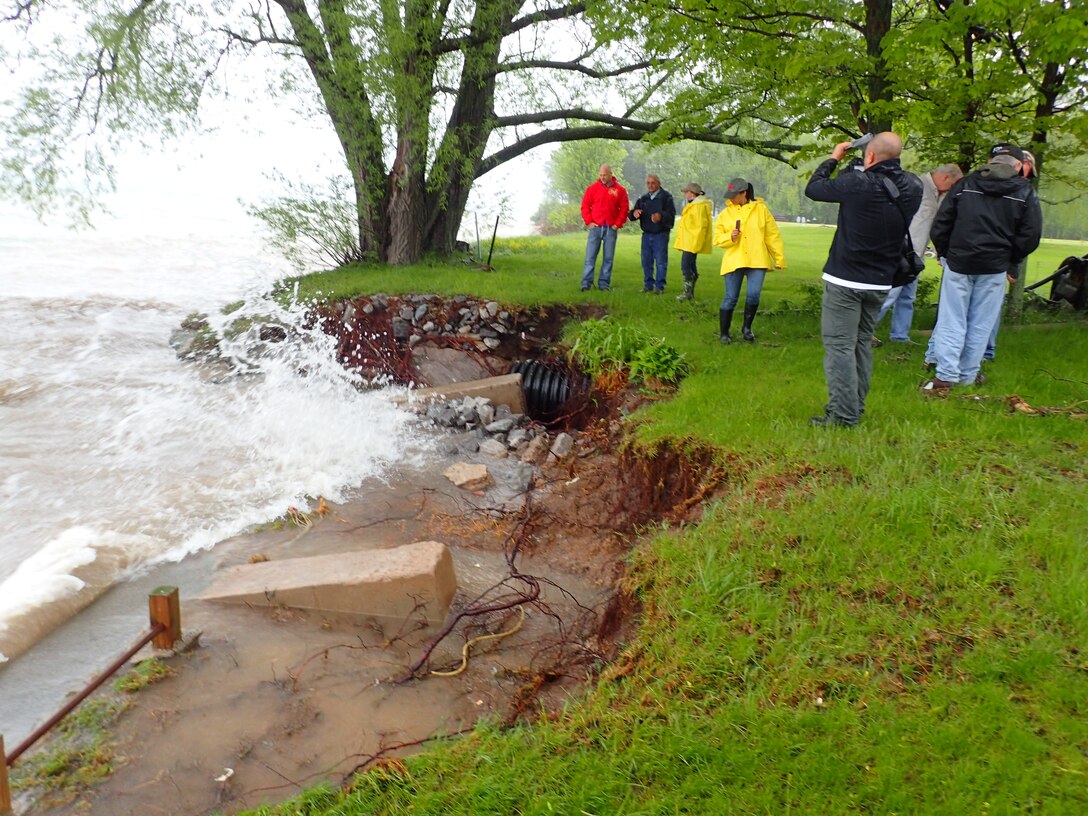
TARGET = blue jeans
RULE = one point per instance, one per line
(655, 250)
(969, 307)
(901, 301)
(598, 237)
(732, 287)
(991, 345)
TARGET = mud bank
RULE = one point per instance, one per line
(277, 700)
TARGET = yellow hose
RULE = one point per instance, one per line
(468, 643)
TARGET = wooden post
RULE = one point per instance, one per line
(5, 789)
(165, 608)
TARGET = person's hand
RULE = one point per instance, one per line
(1011, 278)
(840, 150)
(655, 217)
(637, 213)
(735, 234)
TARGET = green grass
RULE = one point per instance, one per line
(892, 619)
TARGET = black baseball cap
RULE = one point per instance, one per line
(1006, 149)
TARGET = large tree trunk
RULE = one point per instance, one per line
(407, 202)
(878, 22)
(1053, 80)
(457, 160)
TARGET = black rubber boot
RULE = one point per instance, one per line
(725, 317)
(689, 290)
(749, 315)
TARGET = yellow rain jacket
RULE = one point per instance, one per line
(759, 244)
(695, 230)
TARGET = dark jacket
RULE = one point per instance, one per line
(868, 240)
(989, 221)
(663, 204)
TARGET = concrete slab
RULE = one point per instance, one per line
(386, 584)
(504, 390)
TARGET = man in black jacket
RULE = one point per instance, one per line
(655, 212)
(877, 200)
(987, 224)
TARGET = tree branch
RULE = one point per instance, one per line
(448, 46)
(627, 130)
(574, 65)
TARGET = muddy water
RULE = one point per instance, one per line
(273, 701)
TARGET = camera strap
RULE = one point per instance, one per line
(893, 194)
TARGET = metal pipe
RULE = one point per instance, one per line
(21, 748)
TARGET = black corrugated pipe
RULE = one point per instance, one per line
(552, 390)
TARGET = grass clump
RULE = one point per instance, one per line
(78, 755)
(605, 346)
(143, 674)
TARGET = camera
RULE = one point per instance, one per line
(860, 141)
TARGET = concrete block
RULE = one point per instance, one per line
(384, 584)
(504, 390)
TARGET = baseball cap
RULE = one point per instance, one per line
(1006, 149)
(736, 185)
(692, 187)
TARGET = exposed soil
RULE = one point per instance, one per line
(275, 700)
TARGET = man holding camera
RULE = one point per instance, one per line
(864, 254)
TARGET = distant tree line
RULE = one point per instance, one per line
(572, 167)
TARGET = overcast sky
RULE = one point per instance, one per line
(207, 174)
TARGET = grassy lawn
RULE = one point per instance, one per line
(890, 619)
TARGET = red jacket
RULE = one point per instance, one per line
(605, 205)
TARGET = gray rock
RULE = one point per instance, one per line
(562, 446)
(406, 313)
(368, 308)
(413, 341)
(486, 411)
(421, 310)
(429, 326)
(537, 450)
(401, 328)
(493, 447)
(499, 426)
(492, 342)
(516, 437)
(492, 309)
(183, 342)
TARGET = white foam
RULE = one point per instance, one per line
(46, 576)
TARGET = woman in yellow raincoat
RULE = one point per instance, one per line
(747, 232)
(693, 235)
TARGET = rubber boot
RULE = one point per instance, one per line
(750, 310)
(689, 290)
(725, 317)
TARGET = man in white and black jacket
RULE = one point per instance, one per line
(987, 223)
(864, 254)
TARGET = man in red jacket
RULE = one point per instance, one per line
(604, 209)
